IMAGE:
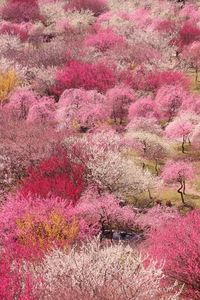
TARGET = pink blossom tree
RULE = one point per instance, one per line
(150, 125)
(180, 129)
(103, 40)
(144, 107)
(119, 100)
(191, 54)
(21, 11)
(196, 136)
(168, 101)
(21, 30)
(19, 103)
(191, 104)
(188, 33)
(178, 243)
(148, 145)
(178, 172)
(156, 218)
(105, 212)
(22, 145)
(42, 111)
(81, 108)
(98, 7)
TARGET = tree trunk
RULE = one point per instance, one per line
(183, 145)
(196, 75)
(156, 167)
(184, 187)
(180, 191)
(150, 196)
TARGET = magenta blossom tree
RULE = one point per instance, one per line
(178, 244)
(119, 99)
(180, 129)
(192, 55)
(168, 101)
(144, 107)
(81, 108)
(178, 172)
(21, 11)
(104, 40)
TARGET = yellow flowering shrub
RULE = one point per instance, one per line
(54, 230)
(8, 82)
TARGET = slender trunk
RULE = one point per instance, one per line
(156, 166)
(183, 145)
(184, 187)
(150, 196)
(196, 75)
(143, 166)
(180, 191)
(189, 141)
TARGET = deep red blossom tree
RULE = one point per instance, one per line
(55, 176)
(15, 281)
(157, 79)
(178, 244)
(178, 172)
(77, 74)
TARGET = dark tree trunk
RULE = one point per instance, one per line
(184, 187)
(183, 146)
(196, 75)
(180, 191)
(156, 166)
(150, 196)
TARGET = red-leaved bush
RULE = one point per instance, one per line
(178, 243)
(56, 176)
(77, 74)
